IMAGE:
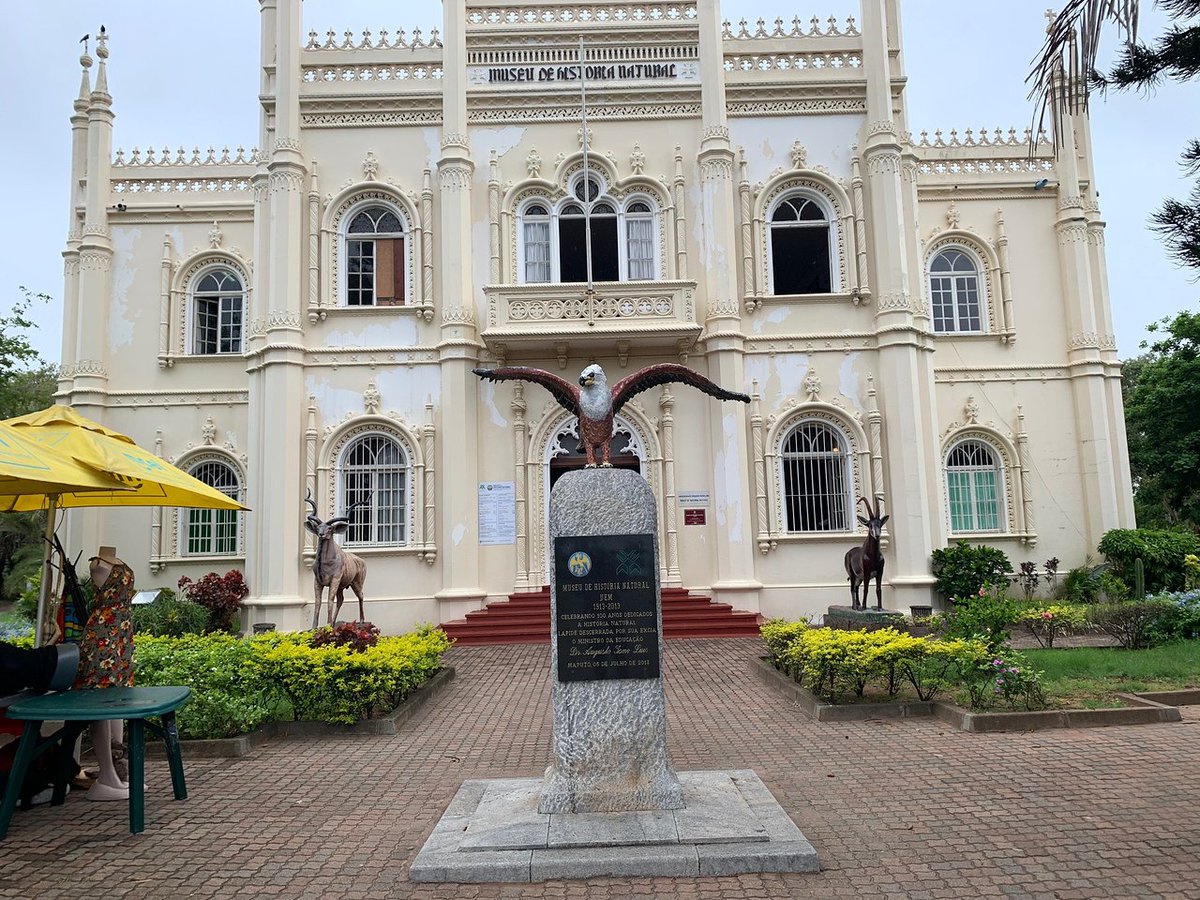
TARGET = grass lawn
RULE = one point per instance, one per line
(1087, 677)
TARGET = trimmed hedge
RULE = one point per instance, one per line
(833, 662)
(240, 683)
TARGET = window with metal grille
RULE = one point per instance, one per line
(973, 487)
(213, 531)
(374, 479)
(800, 242)
(954, 292)
(376, 272)
(816, 477)
(217, 313)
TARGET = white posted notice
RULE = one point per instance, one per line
(497, 513)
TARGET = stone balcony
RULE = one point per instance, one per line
(616, 315)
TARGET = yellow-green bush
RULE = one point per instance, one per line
(833, 662)
(238, 683)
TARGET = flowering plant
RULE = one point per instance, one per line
(1047, 623)
(221, 595)
(357, 636)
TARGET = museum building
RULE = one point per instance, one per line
(920, 319)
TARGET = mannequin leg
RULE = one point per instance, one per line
(108, 786)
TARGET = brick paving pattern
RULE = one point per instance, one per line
(895, 808)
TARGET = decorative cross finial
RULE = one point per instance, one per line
(214, 235)
(971, 410)
(370, 166)
(371, 399)
(799, 155)
(952, 215)
(209, 432)
(582, 137)
(637, 159)
(533, 163)
(812, 386)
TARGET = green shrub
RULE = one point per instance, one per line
(778, 634)
(1050, 622)
(1162, 553)
(337, 685)
(1184, 624)
(987, 616)
(1000, 677)
(170, 617)
(1135, 623)
(963, 571)
(229, 694)
(1081, 585)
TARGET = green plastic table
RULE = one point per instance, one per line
(78, 708)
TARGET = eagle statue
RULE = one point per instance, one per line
(595, 403)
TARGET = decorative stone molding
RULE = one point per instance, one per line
(716, 169)
(533, 164)
(812, 385)
(190, 398)
(798, 155)
(287, 144)
(95, 260)
(214, 236)
(894, 301)
(883, 161)
(637, 159)
(84, 367)
(454, 175)
(288, 182)
(371, 399)
(1085, 340)
(208, 432)
(370, 167)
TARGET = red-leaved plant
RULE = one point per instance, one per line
(221, 595)
(358, 636)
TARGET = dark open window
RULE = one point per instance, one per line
(375, 270)
(800, 257)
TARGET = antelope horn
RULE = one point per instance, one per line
(311, 502)
(867, 503)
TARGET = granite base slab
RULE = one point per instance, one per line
(730, 824)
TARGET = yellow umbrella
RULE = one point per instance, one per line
(30, 473)
(139, 478)
(144, 479)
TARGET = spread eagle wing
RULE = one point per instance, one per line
(562, 390)
(665, 373)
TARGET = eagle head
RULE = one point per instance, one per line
(593, 374)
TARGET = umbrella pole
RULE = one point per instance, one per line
(44, 590)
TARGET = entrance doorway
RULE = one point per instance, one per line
(571, 456)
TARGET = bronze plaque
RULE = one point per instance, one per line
(607, 607)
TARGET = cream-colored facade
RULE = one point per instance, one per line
(919, 320)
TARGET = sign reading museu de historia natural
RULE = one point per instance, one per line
(596, 72)
(606, 614)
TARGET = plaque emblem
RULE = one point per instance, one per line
(579, 564)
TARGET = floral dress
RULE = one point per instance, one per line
(106, 648)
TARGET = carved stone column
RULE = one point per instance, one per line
(520, 488)
(666, 403)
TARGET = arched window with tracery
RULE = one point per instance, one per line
(376, 260)
(213, 532)
(801, 245)
(374, 474)
(216, 312)
(954, 292)
(555, 239)
(974, 487)
(816, 478)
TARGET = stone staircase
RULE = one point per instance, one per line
(524, 618)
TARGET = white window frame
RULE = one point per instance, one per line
(999, 486)
(212, 517)
(623, 217)
(191, 332)
(847, 449)
(831, 222)
(344, 237)
(404, 510)
(982, 311)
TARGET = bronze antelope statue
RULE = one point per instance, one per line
(334, 568)
(866, 562)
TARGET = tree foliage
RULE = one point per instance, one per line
(1162, 417)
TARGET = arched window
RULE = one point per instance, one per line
(801, 246)
(217, 303)
(376, 263)
(954, 292)
(816, 478)
(554, 241)
(974, 487)
(373, 477)
(213, 532)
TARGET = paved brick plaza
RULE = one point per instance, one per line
(900, 808)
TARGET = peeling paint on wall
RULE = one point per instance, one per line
(333, 403)
(460, 531)
(489, 401)
(768, 141)
(484, 140)
(848, 382)
(394, 333)
(121, 318)
(407, 390)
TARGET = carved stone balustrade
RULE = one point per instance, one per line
(641, 313)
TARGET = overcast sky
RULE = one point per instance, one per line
(186, 73)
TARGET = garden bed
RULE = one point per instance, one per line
(1140, 711)
(243, 744)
